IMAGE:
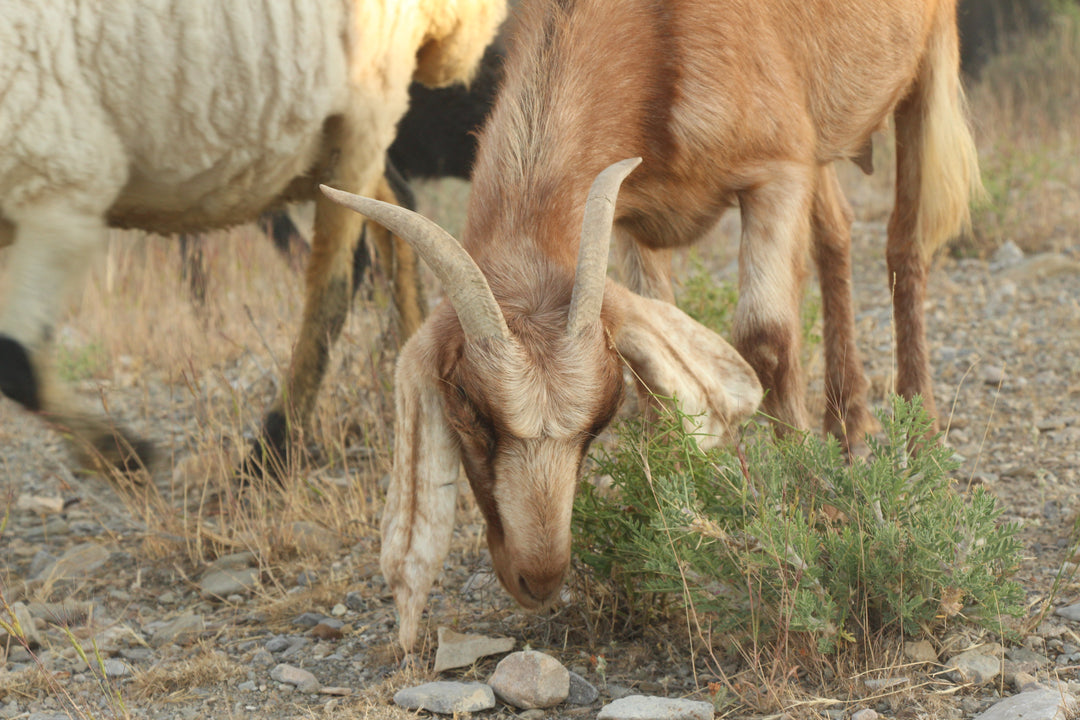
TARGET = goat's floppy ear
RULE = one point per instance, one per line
(673, 355)
(418, 520)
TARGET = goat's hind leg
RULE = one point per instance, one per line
(846, 413)
(53, 247)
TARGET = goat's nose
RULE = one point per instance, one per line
(540, 588)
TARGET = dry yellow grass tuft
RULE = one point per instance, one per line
(1025, 108)
(175, 682)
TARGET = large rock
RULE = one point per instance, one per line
(582, 692)
(307, 538)
(229, 581)
(977, 667)
(303, 680)
(447, 698)
(462, 650)
(178, 630)
(643, 707)
(529, 679)
(1032, 705)
(79, 561)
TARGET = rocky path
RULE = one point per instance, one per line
(117, 631)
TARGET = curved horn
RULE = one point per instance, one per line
(592, 262)
(464, 283)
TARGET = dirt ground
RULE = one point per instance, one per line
(1005, 335)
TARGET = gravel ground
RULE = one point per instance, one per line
(1005, 335)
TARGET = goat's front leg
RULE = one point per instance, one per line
(772, 266)
(53, 247)
(847, 416)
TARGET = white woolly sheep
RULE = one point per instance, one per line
(180, 115)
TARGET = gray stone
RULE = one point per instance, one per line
(310, 539)
(136, 654)
(228, 581)
(262, 658)
(1032, 705)
(582, 692)
(447, 698)
(878, 684)
(296, 647)
(39, 504)
(529, 679)
(115, 668)
(462, 650)
(178, 630)
(1006, 256)
(309, 619)
(992, 374)
(921, 651)
(355, 601)
(79, 561)
(1024, 682)
(643, 707)
(23, 624)
(865, 714)
(1022, 659)
(278, 643)
(974, 666)
(1069, 612)
(303, 680)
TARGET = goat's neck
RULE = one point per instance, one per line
(575, 100)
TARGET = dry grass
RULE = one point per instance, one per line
(174, 682)
(219, 364)
(1025, 108)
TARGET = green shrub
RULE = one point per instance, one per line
(791, 537)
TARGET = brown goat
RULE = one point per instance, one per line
(727, 102)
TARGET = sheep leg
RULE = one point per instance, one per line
(329, 284)
(53, 247)
(772, 266)
(398, 261)
(847, 416)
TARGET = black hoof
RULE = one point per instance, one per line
(122, 452)
(269, 456)
(17, 378)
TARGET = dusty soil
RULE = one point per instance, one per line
(1005, 335)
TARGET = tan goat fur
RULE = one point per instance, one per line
(728, 102)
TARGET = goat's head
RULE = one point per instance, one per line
(516, 389)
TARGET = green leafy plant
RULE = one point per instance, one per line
(790, 536)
